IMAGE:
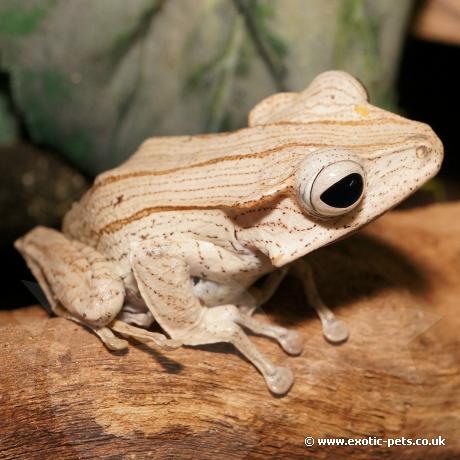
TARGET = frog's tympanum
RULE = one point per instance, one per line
(180, 232)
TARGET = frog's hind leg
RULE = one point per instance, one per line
(78, 282)
(144, 336)
(291, 341)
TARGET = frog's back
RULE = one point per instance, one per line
(185, 173)
(167, 155)
(243, 168)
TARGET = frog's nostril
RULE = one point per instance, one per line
(422, 151)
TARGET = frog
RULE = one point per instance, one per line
(194, 233)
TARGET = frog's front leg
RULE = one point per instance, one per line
(163, 270)
(262, 294)
(334, 330)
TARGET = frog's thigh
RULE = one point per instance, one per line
(77, 280)
(163, 276)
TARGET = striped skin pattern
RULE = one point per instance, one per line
(190, 222)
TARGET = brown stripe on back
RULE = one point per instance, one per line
(118, 224)
(133, 174)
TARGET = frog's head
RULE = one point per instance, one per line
(357, 162)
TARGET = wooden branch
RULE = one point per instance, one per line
(397, 286)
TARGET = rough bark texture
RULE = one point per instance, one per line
(396, 284)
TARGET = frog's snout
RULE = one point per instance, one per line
(429, 148)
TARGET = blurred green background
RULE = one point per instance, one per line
(93, 79)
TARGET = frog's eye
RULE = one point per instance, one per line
(335, 190)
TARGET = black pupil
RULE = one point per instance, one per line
(345, 192)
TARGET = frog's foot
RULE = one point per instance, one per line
(334, 330)
(110, 340)
(280, 381)
(291, 341)
(144, 320)
(107, 337)
(219, 324)
(145, 336)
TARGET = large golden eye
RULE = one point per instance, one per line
(331, 189)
